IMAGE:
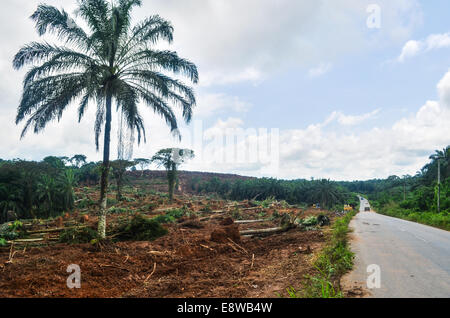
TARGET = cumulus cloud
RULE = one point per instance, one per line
(410, 49)
(432, 42)
(379, 152)
(320, 152)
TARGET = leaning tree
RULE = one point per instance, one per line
(109, 61)
(171, 159)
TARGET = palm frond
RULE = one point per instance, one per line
(50, 19)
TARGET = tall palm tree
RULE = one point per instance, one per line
(112, 61)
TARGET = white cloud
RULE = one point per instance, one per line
(217, 103)
(320, 70)
(444, 90)
(351, 120)
(221, 126)
(234, 40)
(320, 152)
(400, 149)
(432, 42)
(410, 49)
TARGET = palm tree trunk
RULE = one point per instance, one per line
(171, 176)
(105, 169)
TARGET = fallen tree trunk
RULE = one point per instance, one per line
(250, 221)
(211, 217)
(26, 240)
(263, 231)
(56, 230)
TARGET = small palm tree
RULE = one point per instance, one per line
(171, 159)
(142, 162)
(46, 192)
(119, 169)
(67, 182)
(112, 61)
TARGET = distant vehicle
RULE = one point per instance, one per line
(367, 209)
(348, 207)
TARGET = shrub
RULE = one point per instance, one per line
(3, 242)
(140, 228)
(78, 235)
(310, 221)
(11, 231)
(172, 215)
(86, 203)
(114, 210)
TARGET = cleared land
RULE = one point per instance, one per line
(203, 254)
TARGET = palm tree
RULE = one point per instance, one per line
(119, 168)
(46, 191)
(112, 61)
(171, 159)
(439, 154)
(67, 183)
(325, 192)
(142, 162)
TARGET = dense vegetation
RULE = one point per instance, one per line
(41, 189)
(325, 192)
(413, 198)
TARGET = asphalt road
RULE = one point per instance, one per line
(414, 259)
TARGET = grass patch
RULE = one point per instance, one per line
(333, 261)
(439, 220)
(78, 235)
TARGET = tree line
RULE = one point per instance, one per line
(30, 189)
(327, 193)
(418, 193)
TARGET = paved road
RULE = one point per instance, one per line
(414, 259)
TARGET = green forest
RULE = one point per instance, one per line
(43, 189)
(328, 194)
(413, 198)
(46, 189)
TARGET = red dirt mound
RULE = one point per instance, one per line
(221, 235)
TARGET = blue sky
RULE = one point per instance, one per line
(349, 102)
